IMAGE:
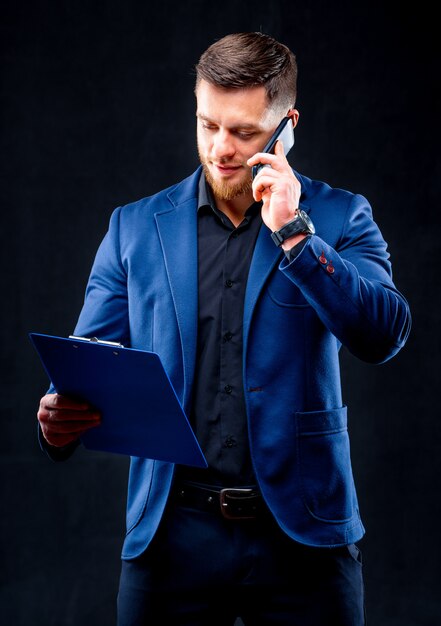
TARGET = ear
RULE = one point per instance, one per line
(294, 115)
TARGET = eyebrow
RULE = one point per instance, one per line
(243, 125)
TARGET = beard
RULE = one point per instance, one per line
(223, 189)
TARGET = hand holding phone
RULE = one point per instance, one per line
(277, 188)
(284, 132)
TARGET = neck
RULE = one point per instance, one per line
(236, 208)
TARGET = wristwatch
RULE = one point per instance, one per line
(300, 224)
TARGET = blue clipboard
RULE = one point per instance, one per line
(141, 414)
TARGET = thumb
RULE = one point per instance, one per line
(279, 147)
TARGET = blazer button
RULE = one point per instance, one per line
(330, 269)
(323, 260)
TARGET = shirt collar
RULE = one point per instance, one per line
(205, 197)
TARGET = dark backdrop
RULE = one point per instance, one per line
(97, 110)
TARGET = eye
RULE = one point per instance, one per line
(208, 126)
(244, 134)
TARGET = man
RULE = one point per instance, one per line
(249, 334)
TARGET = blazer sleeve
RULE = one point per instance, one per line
(105, 310)
(351, 288)
(104, 313)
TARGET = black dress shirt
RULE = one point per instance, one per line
(218, 413)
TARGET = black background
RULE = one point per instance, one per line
(97, 111)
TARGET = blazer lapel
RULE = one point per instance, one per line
(177, 226)
(265, 256)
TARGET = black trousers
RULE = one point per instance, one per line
(204, 570)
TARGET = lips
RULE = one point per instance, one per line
(226, 169)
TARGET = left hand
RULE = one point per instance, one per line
(277, 187)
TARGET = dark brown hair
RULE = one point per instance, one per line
(245, 60)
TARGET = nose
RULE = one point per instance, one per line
(223, 145)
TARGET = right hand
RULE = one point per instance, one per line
(63, 420)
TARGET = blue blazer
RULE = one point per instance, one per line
(143, 292)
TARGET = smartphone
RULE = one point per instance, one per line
(285, 132)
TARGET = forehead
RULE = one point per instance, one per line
(232, 107)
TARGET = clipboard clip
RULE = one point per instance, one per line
(115, 344)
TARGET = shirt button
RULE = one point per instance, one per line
(228, 336)
(230, 442)
(228, 283)
(228, 388)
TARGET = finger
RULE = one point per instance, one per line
(276, 160)
(264, 181)
(59, 441)
(66, 415)
(279, 149)
(62, 433)
(58, 401)
(262, 157)
(65, 428)
(262, 194)
(267, 175)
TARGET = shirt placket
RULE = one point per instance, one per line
(230, 349)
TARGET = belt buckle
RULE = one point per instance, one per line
(232, 496)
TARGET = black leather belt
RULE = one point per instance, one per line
(233, 503)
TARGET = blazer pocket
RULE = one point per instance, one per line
(325, 465)
(284, 293)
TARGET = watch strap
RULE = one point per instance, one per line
(294, 227)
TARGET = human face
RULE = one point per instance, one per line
(232, 125)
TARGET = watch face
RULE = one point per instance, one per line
(308, 222)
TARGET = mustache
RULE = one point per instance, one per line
(225, 161)
(207, 159)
